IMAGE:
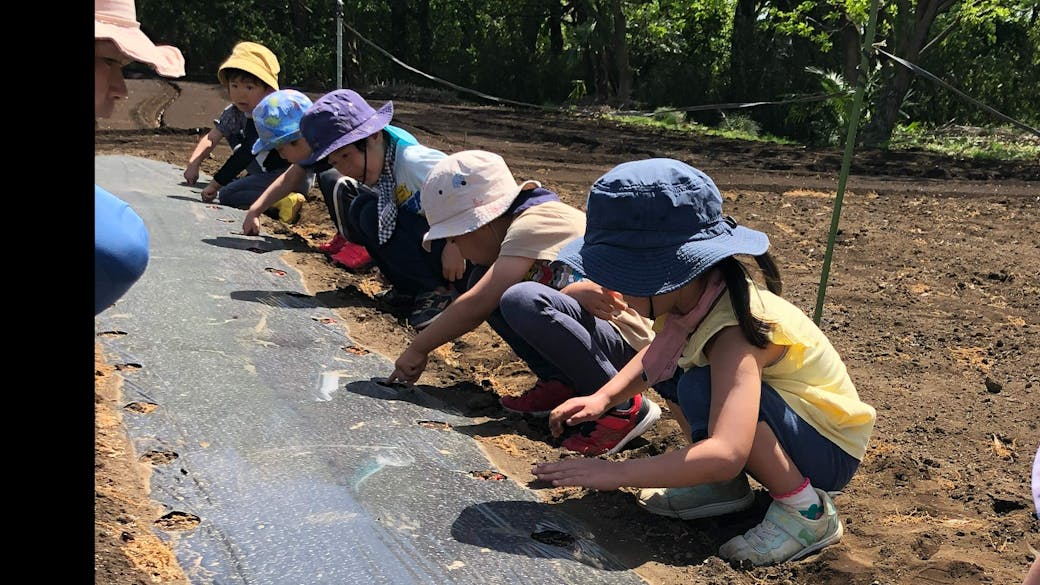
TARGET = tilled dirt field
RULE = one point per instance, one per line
(933, 301)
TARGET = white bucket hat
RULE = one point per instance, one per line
(466, 190)
(117, 20)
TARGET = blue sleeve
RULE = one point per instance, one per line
(120, 248)
(403, 136)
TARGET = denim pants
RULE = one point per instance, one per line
(244, 191)
(557, 338)
(826, 465)
(406, 265)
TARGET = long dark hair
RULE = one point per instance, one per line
(735, 274)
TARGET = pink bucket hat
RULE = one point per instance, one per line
(117, 20)
(466, 190)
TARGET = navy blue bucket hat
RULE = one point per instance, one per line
(339, 118)
(653, 226)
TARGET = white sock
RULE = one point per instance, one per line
(804, 499)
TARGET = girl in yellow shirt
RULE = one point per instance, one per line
(760, 390)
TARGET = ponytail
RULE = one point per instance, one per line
(735, 274)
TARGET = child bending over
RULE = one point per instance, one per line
(512, 233)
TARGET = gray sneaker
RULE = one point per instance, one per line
(785, 535)
(700, 501)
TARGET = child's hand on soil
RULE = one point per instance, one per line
(597, 474)
(576, 411)
(408, 367)
(251, 225)
(210, 192)
(191, 174)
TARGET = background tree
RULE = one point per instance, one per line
(909, 23)
(644, 54)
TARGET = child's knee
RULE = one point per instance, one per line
(519, 302)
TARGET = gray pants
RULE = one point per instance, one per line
(557, 338)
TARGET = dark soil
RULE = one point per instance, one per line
(933, 301)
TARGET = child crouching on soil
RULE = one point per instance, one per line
(512, 233)
(249, 74)
(762, 390)
(277, 118)
(385, 215)
(277, 122)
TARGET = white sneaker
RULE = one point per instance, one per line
(785, 535)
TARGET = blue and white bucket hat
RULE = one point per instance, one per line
(654, 225)
(277, 118)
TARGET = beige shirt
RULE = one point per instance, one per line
(540, 232)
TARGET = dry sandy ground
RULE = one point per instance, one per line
(933, 302)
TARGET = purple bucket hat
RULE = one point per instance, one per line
(277, 118)
(338, 118)
(654, 225)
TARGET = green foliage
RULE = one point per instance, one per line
(997, 143)
(827, 120)
(578, 92)
(741, 128)
(680, 52)
(804, 21)
(992, 55)
(740, 124)
(669, 118)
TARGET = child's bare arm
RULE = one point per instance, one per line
(463, 315)
(279, 188)
(204, 147)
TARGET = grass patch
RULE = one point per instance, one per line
(969, 142)
(965, 142)
(734, 127)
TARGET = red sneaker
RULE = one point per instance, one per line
(545, 396)
(352, 256)
(334, 245)
(614, 430)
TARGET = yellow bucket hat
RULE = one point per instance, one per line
(253, 58)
